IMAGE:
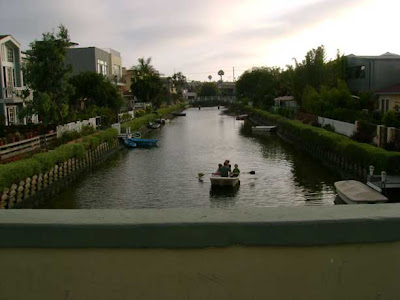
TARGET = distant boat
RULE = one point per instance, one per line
(153, 125)
(180, 114)
(141, 143)
(262, 129)
(356, 192)
(241, 117)
(217, 180)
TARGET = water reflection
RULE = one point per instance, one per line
(167, 176)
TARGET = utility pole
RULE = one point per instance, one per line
(233, 74)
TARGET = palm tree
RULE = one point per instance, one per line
(209, 77)
(221, 73)
(144, 67)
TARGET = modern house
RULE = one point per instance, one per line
(11, 81)
(389, 98)
(103, 61)
(285, 101)
(372, 73)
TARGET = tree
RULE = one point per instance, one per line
(146, 82)
(208, 89)
(209, 77)
(92, 88)
(179, 81)
(221, 73)
(46, 73)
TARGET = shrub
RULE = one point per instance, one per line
(329, 127)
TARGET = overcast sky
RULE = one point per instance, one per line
(199, 38)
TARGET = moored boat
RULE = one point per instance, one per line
(142, 142)
(129, 144)
(224, 181)
(262, 129)
(180, 114)
(241, 117)
(356, 192)
(153, 125)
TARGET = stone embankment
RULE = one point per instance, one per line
(16, 194)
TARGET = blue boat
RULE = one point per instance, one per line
(130, 144)
(142, 142)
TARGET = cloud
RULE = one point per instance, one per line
(296, 20)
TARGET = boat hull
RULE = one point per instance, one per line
(224, 181)
(143, 142)
(179, 114)
(355, 192)
(263, 129)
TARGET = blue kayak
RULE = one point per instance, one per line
(129, 144)
(143, 142)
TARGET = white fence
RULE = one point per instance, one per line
(344, 128)
(75, 126)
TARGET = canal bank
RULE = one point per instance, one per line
(351, 157)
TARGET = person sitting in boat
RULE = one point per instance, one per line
(224, 170)
(236, 171)
(228, 164)
(218, 172)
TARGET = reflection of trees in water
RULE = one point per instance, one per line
(308, 172)
(311, 174)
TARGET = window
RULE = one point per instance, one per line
(384, 105)
(356, 72)
(102, 67)
(10, 54)
(11, 112)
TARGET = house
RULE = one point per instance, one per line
(285, 101)
(372, 73)
(389, 98)
(11, 81)
(103, 61)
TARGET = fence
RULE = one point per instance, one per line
(347, 129)
(11, 150)
(75, 126)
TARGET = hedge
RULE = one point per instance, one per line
(14, 172)
(139, 122)
(359, 153)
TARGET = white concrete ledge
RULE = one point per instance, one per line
(194, 228)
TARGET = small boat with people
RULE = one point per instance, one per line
(218, 180)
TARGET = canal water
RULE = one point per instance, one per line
(167, 176)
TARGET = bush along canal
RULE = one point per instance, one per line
(167, 176)
(352, 158)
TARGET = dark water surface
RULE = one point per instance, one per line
(167, 176)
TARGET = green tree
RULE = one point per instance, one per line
(179, 81)
(146, 82)
(92, 88)
(46, 73)
(208, 89)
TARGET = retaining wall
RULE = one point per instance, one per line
(13, 196)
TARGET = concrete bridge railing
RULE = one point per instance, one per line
(337, 252)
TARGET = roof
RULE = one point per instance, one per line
(387, 55)
(285, 98)
(394, 89)
(3, 36)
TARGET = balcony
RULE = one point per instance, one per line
(13, 94)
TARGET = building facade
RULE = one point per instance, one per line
(103, 61)
(11, 81)
(372, 73)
